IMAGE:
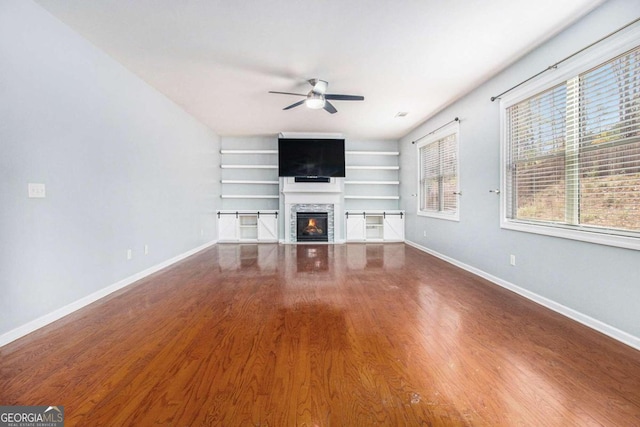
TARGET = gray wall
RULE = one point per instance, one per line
(597, 281)
(123, 166)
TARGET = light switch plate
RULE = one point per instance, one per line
(36, 191)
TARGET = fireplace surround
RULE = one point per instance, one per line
(312, 197)
(326, 209)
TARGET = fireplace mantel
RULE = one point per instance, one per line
(289, 186)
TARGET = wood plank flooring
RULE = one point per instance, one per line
(321, 335)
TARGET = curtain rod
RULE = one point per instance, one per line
(554, 66)
(435, 130)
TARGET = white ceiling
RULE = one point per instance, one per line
(218, 59)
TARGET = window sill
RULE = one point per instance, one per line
(436, 215)
(626, 242)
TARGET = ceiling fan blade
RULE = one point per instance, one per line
(288, 93)
(337, 97)
(294, 105)
(330, 108)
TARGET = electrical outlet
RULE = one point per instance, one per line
(424, 233)
(129, 254)
(146, 249)
(512, 259)
(36, 191)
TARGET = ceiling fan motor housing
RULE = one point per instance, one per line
(319, 86)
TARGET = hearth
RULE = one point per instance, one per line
(312, 227)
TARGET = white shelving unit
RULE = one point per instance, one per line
(247, 226)
(248, 196)
(373, 197)
(250, 183)
(241, 181)
(250, 178)
(372, 179)
(372, 182)
(372, 153)
(375, 226)
(375, 168)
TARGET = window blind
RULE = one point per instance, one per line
(439, 175)
(573, 151)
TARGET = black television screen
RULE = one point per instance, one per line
(311, 157)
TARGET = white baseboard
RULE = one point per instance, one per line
(38, 323)
(615, 333)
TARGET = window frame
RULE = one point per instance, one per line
(448, 130)
(597, 55)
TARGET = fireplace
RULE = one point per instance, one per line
(312, 197)
(312, 227)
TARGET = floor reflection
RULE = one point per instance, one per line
(248, 258)
(377, 256)
(311, 258)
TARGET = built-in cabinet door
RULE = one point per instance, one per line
(393, 228)
(268, 228)
(227, 228)
(355, 227)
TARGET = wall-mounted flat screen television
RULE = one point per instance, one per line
(311, 157)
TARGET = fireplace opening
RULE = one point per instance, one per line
(312, 227)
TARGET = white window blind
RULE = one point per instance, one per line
(439, 176)
(573, 152)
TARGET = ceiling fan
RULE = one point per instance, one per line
(318, 98)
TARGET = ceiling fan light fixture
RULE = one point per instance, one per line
(315, 102)
(317, 99)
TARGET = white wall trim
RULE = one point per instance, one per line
(42, 321)
(588, 321)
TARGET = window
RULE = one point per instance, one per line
(438, 187)
(572, 155)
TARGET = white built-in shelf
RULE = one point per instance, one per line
(247, 226)
(249, 166)
(265, 163)
(249, 196)
(268, 163)
(373, 197)
(248, 151)
(372, 182)
(372, 169)
(373, 153)
(240, 181)
(391, 168)
(375, 225)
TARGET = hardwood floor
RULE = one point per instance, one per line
(321, 335)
